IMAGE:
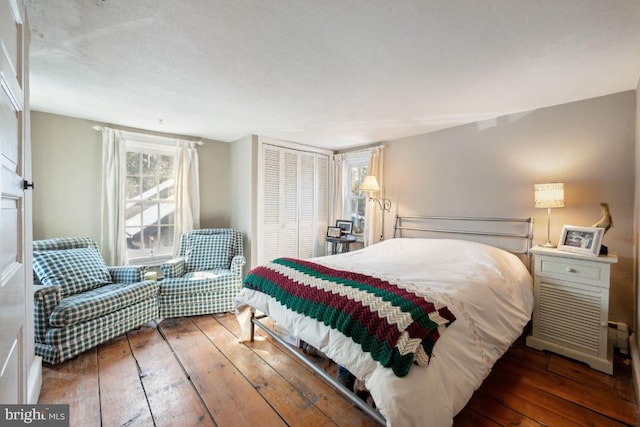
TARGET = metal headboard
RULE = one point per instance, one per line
(503, 228)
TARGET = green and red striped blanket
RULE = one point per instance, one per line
(396, 326)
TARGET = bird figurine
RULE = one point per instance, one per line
(605, 220)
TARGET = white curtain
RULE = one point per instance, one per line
(113, 237)
(337, 188)
(373, 215)
(187, 191)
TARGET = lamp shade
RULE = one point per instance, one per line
(369, 183)
(549, 195)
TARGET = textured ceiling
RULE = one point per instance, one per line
(330, 73)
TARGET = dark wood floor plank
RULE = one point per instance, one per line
(293, 406)
(228, 395)
(302, 377)
(525, 406)
(298, 389)
(122, 397)
(171, 396)
(75, 383)
(618, 384)
(499, 413)
(554, 393)
(470, 418)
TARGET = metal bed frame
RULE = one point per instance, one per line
(527, 234)
(523, 232)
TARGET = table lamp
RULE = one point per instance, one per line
(549, 195)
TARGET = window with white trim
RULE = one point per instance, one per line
(150, 201)
(354, 203)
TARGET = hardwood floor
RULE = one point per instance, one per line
(192, 371)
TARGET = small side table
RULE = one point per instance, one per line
(571, 311)
(344, 241)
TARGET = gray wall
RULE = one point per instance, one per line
(489, 169)
(67, 164)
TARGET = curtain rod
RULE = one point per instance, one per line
(99, 128)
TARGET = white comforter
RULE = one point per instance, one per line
(487, 289)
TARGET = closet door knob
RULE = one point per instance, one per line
(26, 185)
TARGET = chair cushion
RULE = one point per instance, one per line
(74, 270)
(208, 252)
(100, 302)
(197, 282)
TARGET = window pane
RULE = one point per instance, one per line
(149, 163)
(166, 167)
(361, 206)
(149, 214)
(165, 245)
(353, 205)
(167, 211)
(133, 240)
(149, 187)
(133, 187)
(167, 189)
(355, 184)
(133, 215)
(151, 238)
(133, 163)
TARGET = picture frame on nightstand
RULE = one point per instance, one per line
(581, 240)
(334, 232)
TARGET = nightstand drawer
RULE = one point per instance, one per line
(573, 270)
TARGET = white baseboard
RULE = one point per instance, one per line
(635, 364)
(34, 381)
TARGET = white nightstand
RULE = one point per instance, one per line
(571, 312)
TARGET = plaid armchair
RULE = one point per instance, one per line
(205, 277)
(80, 302)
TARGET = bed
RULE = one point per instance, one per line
(487, 290)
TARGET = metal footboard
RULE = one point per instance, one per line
(345, 392)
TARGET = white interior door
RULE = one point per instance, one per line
(13, 134)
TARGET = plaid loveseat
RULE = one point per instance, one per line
(80, 302)
(205, 277)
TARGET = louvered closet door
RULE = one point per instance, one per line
(271, 215)
(279, 204)
(289, 238)
(295, 203)
(322, 204)
(306, 230)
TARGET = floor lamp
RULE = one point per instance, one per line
(370, 183)
(549, 195)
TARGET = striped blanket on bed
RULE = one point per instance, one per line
(397, 327)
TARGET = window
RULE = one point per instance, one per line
(355, 169)
(150, 204)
